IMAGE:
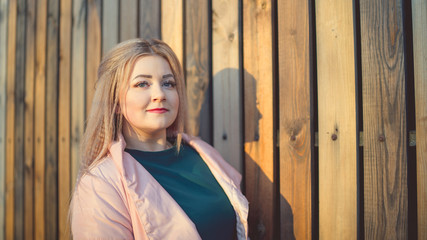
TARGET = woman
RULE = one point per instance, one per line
(141, 176)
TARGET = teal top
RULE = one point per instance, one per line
(187, 178)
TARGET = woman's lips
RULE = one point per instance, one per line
(158, 110)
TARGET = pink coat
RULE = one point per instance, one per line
(119, 199)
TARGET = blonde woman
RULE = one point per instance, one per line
(141, 176)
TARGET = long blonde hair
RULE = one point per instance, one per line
(104, 123)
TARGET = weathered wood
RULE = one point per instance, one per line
(64, 111)
(295, 103)
(128, 19)
(419, 22)
(197, 65)
(338, 147)
(110, 25)
(384, 120)
(259, 132)
(172, 25)
(51, 165)
(227, 106)
(93, 53)
(3, 62)
(10, 120)
(149, 19)
(39, 122)
(78, 83)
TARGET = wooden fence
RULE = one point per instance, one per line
(321, 104)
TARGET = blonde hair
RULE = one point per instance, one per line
(104, 123)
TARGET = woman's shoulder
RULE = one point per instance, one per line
(104, 171)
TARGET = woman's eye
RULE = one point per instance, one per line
(142, 84)
(169, 84)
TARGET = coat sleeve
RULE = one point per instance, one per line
(98, 211)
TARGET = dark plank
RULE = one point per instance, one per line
(128, 19)
(149, 19)
(110, 24)
(384, 123)
(295, 103)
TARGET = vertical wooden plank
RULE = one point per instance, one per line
(128, 19)
(51, 166)
(384, 120)
(258, 108)
(93, 50)
(196, 62)
(64, 112)
(149, 19)
(10, 120)
(29, 119)
(172, 25)
(3, 110)
(337, 120)
(419, 22)
(110, 25)
(295, 103)
(227, 106)
(39, 121)
(78, 83)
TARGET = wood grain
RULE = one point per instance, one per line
(384, 115)
(128, 19)
(227, 106)
(64, 125)
(3, 88)
(10, 120)
(110, 25)
(419, 23)
(337, 117)
(172, 25)
(295, 101)
(39, 122)
(197, 65)
(149, 19)
(258, 115)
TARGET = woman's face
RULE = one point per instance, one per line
(151, 102)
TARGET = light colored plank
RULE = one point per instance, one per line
(172, 25)
(3, 110)
(197, 65)
(77, 83)
(10, 120)
(128, 19)
(227, 106)
(149, 19)
(259, 131)
(384, 114)
(419, 23)
(295, 103)
(337, 117)
(39, 122)
(64, 112)
(110, 25)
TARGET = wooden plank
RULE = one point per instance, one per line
(128, 19)
(149, 19)
(3, 110)
(259, 132)
(197, 64)
(93, 51)
(227, 106)
(295, 103)
(29, 119)
(110, 25)
(19, 121)
(384, 120)
(172, 25)
(39, 122)
(51, 166)
(64, 125)
(78, 83)
(10, 120)
(337, 118)
(419, 23)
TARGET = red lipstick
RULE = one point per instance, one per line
(157, 110)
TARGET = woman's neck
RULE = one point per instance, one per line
(145, 141)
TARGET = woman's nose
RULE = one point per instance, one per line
(157, 93)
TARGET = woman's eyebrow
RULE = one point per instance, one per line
(149, 76)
